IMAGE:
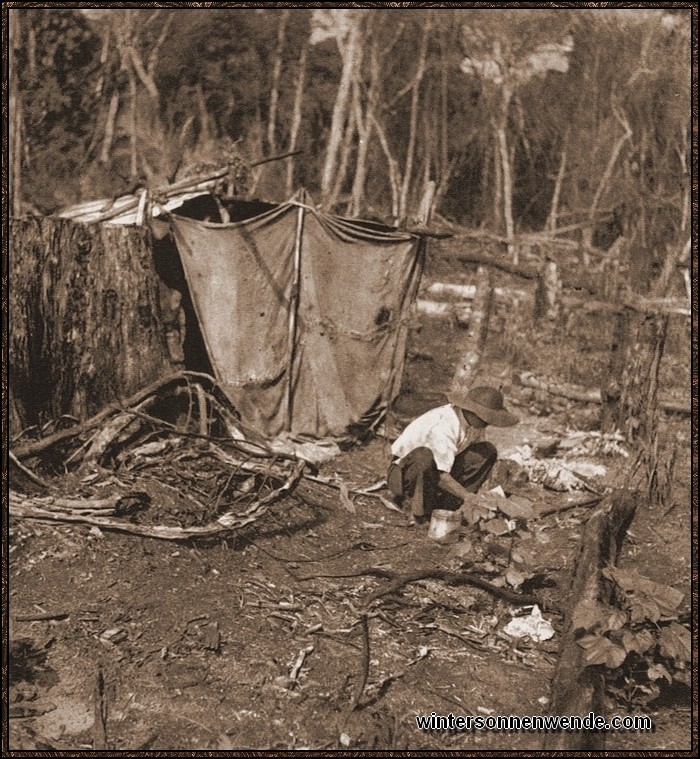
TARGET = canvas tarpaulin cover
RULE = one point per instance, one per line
(304, 316)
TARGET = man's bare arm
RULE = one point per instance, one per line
(448, 483)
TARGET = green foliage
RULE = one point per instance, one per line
(641, 644)
(212, 69)
(57, 62)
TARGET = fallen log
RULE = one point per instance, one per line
(460, 312)
(520, 270)
(574, 393)
(578, 689)
(641, 305)
(468, 292)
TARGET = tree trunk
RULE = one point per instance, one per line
(394, 172)
(15, 106)
(349, 51)
(296, 115)
(610, 419)
(109, 128)
(554, 207)
(505, 157)
(133, 162)
(497, 186)
(342, 167)
(646, 339)
(426, 205)
(275, 91)
(364, 132)
(204, 122)
(365, 125)
(85, 316)
(576, 393)
(413, 123)
(507, 192)
(143, 75)
(476, 334)
(604, 180)
(444, 142)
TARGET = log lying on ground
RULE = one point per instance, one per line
(527, 379)
(468, 292)
(641, 305)
(461, 312)
(592, 283)
(577, 689)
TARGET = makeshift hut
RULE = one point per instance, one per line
(300, 316)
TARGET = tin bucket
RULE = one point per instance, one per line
(443, 523)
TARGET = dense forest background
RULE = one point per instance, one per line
(507, 120)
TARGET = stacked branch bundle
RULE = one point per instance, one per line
(169, 463)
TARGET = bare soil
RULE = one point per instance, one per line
(224, 644)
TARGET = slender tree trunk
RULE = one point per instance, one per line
(394, 172)
(365, 125)
(683, 158)
(497, 186)
(146, 79)
(410, 150)
(349, 51)
(204, 124)
(605, 179)
(444, 181)
(133, 165)
(364, 131)
(103, 62)
(345, 150)
(554, 208)
(109, 128)
(504, 152)
(15, 106)
(31, 53)
(444, 147)
(296, 115)
(275, 92)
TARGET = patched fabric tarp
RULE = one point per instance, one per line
(304, 315)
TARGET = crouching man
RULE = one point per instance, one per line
(442, 457)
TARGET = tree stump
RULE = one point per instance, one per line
(578, 689)
(477, 332)
(86, 325)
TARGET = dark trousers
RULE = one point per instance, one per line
(414, 480)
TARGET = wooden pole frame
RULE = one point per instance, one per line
(294, 312)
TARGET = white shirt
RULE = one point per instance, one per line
(444, 430)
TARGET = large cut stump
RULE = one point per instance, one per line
(84, 316)
(578, 689)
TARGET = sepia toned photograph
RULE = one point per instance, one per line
(349, 378)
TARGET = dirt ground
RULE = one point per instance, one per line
(248, 642)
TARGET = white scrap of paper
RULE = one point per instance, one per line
(534, 626)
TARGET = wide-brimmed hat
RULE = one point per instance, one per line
(486, 403)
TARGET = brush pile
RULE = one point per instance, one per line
(170, 463)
